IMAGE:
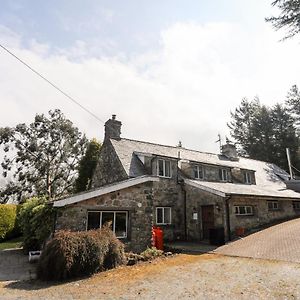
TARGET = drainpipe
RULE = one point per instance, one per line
(184, 209)
(227, 212)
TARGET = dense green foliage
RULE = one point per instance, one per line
(288, 18)
(42, 157)
(264, 133)
(87, 166)
(74, 254)
(8, 219)
(36, 222)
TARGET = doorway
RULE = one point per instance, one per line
(207, 213)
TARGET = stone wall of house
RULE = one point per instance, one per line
(137, 200)
(140, 201)
(195, 199)
(168, 193)
(109, 169)
(261, 214)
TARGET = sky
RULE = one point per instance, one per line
(171, 70)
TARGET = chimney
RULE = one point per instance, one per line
(112, 129)
(229, 150)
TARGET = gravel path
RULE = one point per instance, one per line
(208, 276)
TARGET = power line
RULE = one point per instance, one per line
(52, 84)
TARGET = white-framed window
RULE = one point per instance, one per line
(198, 172)
(247, 177)
(296, 205)
(164, 168)
(118, 219)
(223, 174)
(243, 210)
(163, 215)
(273, 205)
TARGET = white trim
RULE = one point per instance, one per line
(164, 168)
(104, 190)
(114, 221)
(163, 215)
(204, 188)
(245, 207)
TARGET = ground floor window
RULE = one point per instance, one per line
(273, 205)
(296, 205)
(243, 210)
(163, 215)
(118, 220)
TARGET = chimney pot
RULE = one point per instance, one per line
(114, 117)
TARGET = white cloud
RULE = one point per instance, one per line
(182, 91)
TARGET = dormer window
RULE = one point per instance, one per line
(247, 177)
(198, 172)
(223, 174)
(164, 168)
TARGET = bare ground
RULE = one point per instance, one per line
(208, 276)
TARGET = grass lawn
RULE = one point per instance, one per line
(13, 243)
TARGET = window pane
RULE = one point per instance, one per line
(108, 217)
(93, 220)
(249, 210)
(220, 174)
(168, 168)
(159, 215)
(242, 210)
(236, 210)
(200, 169)
(167, 215)
(120, 227)
(195, 172)
(160, 167)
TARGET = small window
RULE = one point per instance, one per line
(247, 177)
(296, 205)
(223, 174)
(273, 205)
(117, 219)
(163, 215)
(198, 172)
(164, 168)
(243, 210)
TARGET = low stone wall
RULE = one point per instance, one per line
(261, 214)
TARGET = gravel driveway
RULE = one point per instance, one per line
(208, 276)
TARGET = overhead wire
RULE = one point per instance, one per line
(52, 84)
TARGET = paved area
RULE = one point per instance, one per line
(207, 276)
(14, 265)
(279, 242)
(190, 247)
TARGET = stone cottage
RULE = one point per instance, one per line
(185, 192)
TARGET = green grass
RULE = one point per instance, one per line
(13, 243)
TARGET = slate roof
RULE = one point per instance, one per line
(269, 177)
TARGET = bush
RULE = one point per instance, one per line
(36, 220)
(151, 253)
(8, 220)
(73, 254)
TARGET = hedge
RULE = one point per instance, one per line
(36, 219)
(75, 254)
(8, 220)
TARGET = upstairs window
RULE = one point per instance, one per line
(198, 172)
(247, 177)
(164, 168)
(243, 210)
(163, 215)
(273, 205)
(223, 174)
